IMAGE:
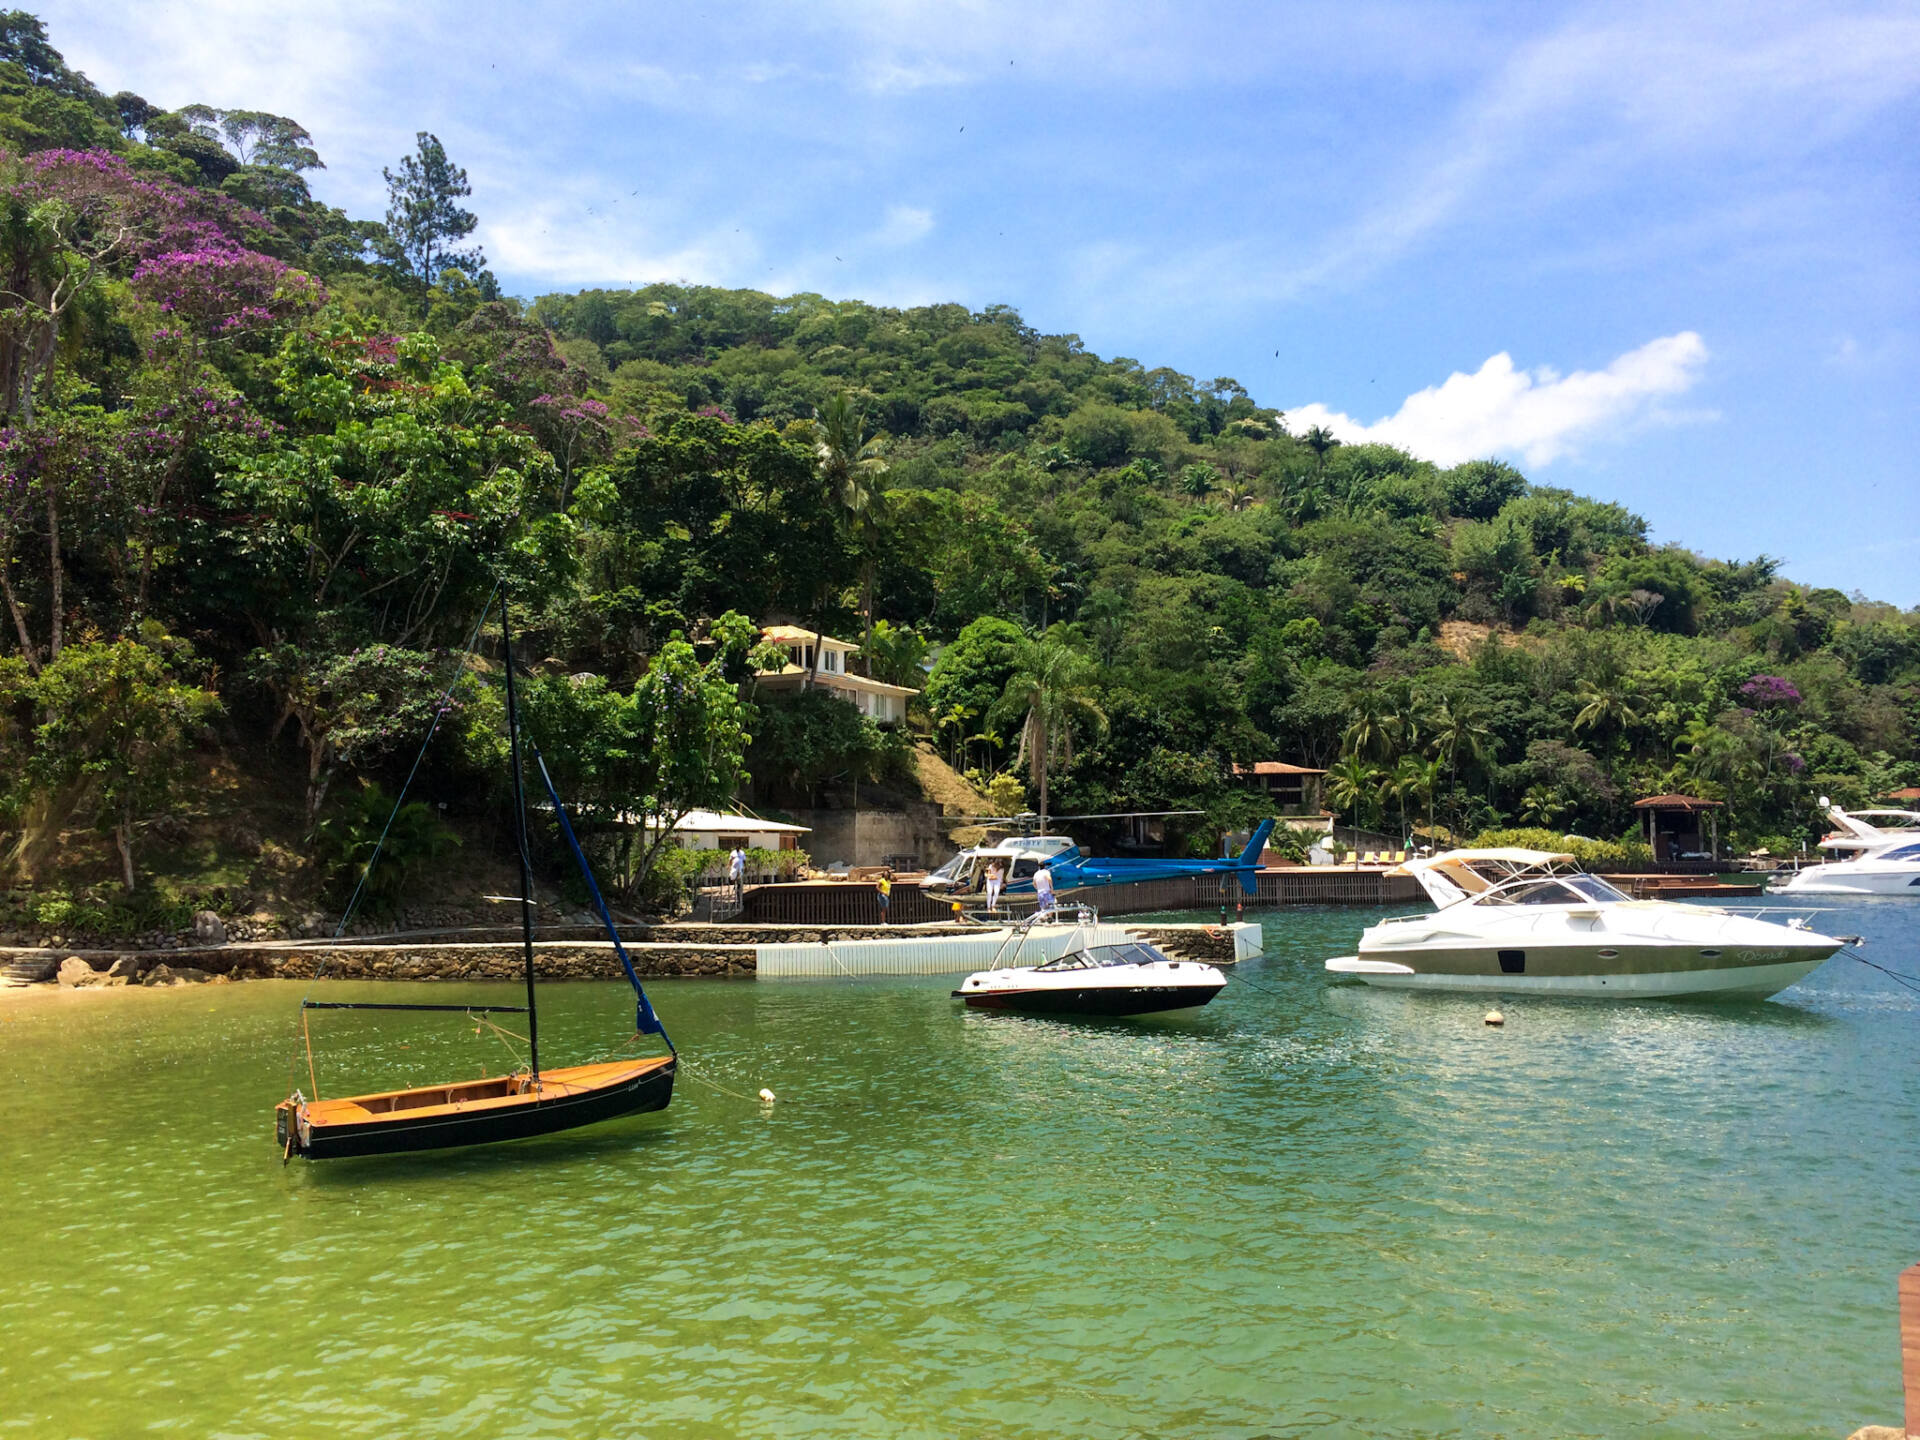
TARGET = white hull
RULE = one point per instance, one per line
(1753, 981)
(1845, 879)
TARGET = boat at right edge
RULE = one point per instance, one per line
(1526, 921)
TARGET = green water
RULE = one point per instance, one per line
(1316, 1211)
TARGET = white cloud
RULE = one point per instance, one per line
(904, 225)
(1538, 415)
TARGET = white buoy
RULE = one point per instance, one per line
(1494, 1017)
(766, 1096)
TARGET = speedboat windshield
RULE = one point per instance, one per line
(1101, 956)
(1559, 890)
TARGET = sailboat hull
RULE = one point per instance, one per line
(438, 1117)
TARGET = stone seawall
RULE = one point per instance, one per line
(693, 950)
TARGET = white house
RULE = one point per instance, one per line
(886, 704)
(710, 830)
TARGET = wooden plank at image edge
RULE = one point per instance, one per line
(1910, 1345)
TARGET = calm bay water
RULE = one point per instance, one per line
(1308, 1210)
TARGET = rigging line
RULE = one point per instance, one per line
(698, 1078)
(1263, 989)
(439, 711)
(1893, 975)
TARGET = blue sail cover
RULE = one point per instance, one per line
(644, 1019)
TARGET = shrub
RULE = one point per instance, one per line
(1586, 853)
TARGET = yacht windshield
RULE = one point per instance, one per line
(1535, 892)
(1594, 888)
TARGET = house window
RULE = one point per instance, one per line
(732, 842)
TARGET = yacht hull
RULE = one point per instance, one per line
(1729, 978)
(1842, 879)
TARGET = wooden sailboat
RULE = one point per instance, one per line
(508, 1107)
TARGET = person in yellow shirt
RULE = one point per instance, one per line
(885, 887)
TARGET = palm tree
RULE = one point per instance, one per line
(1319, 440)
(1236, 498)
(1604, 706)
(850, 462)
(1199, 480)
(1458, 727)
(1416, 779)
(1374, 732)
(1354, 785)
(1051, 692)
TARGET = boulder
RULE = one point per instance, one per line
(125, 967)
(75, 972)
(162, 975)
(209, 928)
(1879, 1432)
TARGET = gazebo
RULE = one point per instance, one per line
(1672, 824)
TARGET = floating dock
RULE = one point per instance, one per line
(956, 954)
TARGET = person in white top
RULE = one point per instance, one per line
(995, 878)
(737, 872)
(1043, 890)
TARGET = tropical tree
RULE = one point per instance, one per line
(1375, 731)
(115, 722)
(1459, 730)
(424, 215)
(1354, 785)
(1605, 705)
(1051, 693)
(1199, 480)
(851, 463)
(1415, 780)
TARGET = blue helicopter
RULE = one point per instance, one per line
(1021, 855)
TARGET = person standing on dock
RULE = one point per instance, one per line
(737, 872)
(885, 889)
(995, 878)
(1043, 891)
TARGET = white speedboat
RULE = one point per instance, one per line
(1526, 921)
(1880, 852)
(1128, 978)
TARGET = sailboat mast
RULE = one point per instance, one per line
(520, 836)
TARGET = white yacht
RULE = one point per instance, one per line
(1879, 854)
(1526, 921)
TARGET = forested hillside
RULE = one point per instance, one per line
(264, 466)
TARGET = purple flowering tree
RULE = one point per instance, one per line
(1770, 692)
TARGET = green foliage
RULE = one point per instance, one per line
(348, 844)
(324, 486)
(1588, 854)
(1006, 795)
(111, 725)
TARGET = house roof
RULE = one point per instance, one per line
(1906, 792)
(1275, 767)
(796, 635)
(834, 680)
(1678, 802)
(711, 820)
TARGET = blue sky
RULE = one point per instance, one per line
(1663, 254)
